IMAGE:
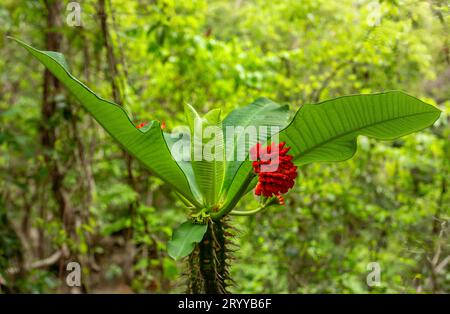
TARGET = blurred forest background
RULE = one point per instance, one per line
(67, 192)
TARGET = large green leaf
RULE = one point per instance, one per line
(327, 131)
(184, 238)
(261, 113)
(207, 152)
(147, 145)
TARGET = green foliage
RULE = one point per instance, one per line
(184, 239)
(328, 131)
(321, 132)
(148, 145)
(206, 152)
(390, 203)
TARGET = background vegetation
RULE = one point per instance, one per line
(68, 192)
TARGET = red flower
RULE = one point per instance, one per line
(275, 169)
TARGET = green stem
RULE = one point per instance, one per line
(268, 202)
(247, 212)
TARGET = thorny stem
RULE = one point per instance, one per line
(208, 263)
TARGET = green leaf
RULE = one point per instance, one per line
(327, 131)
(180, 148)
(184, 238)
(261, 112)
(146, 145)
(207, 152)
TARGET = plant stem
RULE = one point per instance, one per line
(266, 203)
(247, 212)
(208, 263)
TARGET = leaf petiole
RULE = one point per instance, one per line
(267, 203)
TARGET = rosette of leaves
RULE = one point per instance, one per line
(212, 187)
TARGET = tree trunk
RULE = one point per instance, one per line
(118, 98)
(49, 128)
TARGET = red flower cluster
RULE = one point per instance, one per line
(275, 169)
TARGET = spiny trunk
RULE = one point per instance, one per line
(208, 264)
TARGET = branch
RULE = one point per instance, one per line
(52, 259)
